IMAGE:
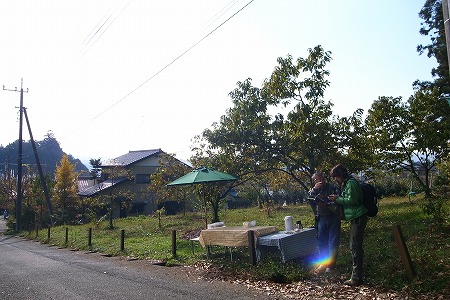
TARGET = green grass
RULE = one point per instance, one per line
(427, 243)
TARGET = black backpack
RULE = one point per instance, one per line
(370, 198)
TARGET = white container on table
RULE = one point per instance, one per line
(288, 223)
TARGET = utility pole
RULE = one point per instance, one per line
(445, 11)
(19, 160)
(41, 173)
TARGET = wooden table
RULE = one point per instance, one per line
(235, 236)
(290, 244)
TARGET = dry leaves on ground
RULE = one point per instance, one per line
(320, 287)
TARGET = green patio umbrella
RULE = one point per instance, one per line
(203, 176)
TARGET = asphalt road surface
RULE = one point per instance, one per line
(30, 270)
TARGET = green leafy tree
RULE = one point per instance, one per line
(29, 203)
(355, 150)
(38, 199)
(306, 140)
(117, 196)
(96, 168)
(65, 191)
(433, 26)
(409, 133)
(169, 170)
(8, 184)
(212, 195)
(298, 143)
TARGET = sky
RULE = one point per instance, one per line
(111, 76)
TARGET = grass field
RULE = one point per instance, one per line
(427, 243)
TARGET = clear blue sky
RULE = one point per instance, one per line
(110, 76)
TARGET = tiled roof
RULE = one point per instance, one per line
(130, 158)
(91, 191)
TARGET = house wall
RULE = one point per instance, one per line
(140, 191)
(141, 195)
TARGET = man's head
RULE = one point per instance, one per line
(317, 177)
(339, 173)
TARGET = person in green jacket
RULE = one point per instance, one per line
(351, 198)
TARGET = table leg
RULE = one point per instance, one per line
(251, 246)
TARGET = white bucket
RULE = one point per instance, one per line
(288, 223)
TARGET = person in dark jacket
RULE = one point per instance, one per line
(351, 198)
(328, 221)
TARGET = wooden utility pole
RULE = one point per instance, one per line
(445, 11)
(19, 160)
(41, 173)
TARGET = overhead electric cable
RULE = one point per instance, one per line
(158, 72)
(97, 34)
(221, 12)
(170, 63)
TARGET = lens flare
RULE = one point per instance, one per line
(321, 261)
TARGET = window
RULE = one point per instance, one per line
(142, 178)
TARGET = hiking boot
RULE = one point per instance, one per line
(353, 282)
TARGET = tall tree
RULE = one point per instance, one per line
(433, 26)
(297, 143)
(96, 168)
(120, 196)
(212, 195)
(8, 183)
(65, 193)
(169, 170)
(407, 133)
(38, 198)
(355, 150)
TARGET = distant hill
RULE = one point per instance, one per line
(49, 152)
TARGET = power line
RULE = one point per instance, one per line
(221, 12)
(158, 72)
(170, 63)
(97, 32)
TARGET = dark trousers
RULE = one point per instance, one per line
(328, 236)
(357, 227)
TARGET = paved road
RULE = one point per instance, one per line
(29, 270)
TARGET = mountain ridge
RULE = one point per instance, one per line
(49, 153)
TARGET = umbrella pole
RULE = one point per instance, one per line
(206, 209)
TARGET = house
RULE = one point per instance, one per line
(127, 174)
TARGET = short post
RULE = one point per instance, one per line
(67, 237)
(48, 234)
(37, 231)
(251, 246)
(122, 240)
(90, 239)
(403, 250)
(174, 243)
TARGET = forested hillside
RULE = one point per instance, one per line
(49, 152)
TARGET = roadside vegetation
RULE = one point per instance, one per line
(428, 244)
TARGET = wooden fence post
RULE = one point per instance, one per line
(403, 250)
(122, 240)
(174, 243)
(90, 239)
